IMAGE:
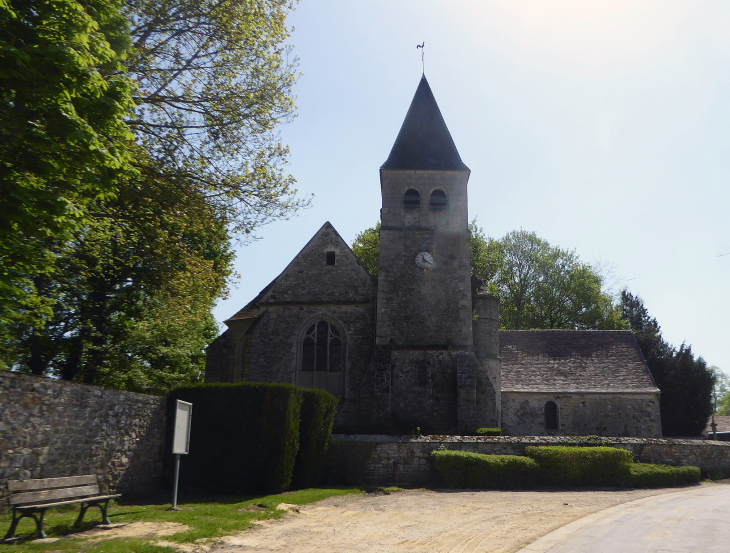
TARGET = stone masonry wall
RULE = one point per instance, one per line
(275, 347)
(414, 454)
(432, 306)
(52, 428)
(616, 414)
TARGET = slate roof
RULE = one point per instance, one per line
(573, 361)
(424, 141)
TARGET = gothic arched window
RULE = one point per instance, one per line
(438, 199)
(322, 358)
(551, 415)
(411, 198)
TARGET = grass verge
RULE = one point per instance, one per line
(206, 517)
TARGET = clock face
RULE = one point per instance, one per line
(424, 260)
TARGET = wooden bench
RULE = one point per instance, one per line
(36, 496)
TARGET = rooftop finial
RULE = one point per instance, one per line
(423, 63)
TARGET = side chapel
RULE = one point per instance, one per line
(421, 346)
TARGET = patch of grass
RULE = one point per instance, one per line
(207, 517)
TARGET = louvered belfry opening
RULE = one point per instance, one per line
(411, 198)
(438, 199)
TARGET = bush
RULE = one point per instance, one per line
(582, 466)
(244, 436)
(346, 463)
(315, 427)
(488, 432)
(464, 469)
(644, 475)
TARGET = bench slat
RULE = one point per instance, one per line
(70, 502)
(50, 495)
(50, 483)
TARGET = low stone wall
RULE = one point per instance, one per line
(51, 428)
(413, 455)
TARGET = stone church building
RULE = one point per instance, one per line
(420, 347)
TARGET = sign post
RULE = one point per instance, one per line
(180, 441)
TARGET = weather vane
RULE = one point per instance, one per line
(423, 63)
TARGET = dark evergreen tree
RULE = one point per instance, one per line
(685, 382)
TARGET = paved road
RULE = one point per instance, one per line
(690, 521)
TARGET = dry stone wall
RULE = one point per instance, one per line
(51, 428)
(413, 455)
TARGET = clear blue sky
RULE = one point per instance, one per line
(604, 127)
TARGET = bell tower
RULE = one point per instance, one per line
(426, 370)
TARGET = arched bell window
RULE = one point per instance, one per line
(438, 199)
(322, 357)
(551, 415)
(411, 198)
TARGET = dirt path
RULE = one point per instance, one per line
(426, 521)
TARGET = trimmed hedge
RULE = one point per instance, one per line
(464, 469)
(244, 436)
(582, 466)
(347, 462)
(488, 432)
(315, 427)
(644, 475)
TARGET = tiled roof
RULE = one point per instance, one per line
(722, 422)
(573, 361)
(251, 311)
(424, 142)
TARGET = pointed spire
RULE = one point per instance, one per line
(424, 142)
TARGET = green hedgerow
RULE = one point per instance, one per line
(244, 437)
(464, 469)
(346, 463)
(315, 427)
(645, 475)
(582, 466)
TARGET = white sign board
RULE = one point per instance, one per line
(183, 418)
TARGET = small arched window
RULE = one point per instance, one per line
(322, 356)
(438, 199)
(411, 198)
(551, 416)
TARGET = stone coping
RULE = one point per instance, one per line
(537, 440)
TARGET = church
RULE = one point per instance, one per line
(420, 347)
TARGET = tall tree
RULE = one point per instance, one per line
(214, 79)
(133, 307)
(366, 248)
(685, 382)
(720, 391)
(129, 287)
(64, 143)
(540, 285)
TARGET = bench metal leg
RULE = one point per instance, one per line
(103, 507)
(13, 525)
(104, 516)
(39, 524)
(84, 506)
